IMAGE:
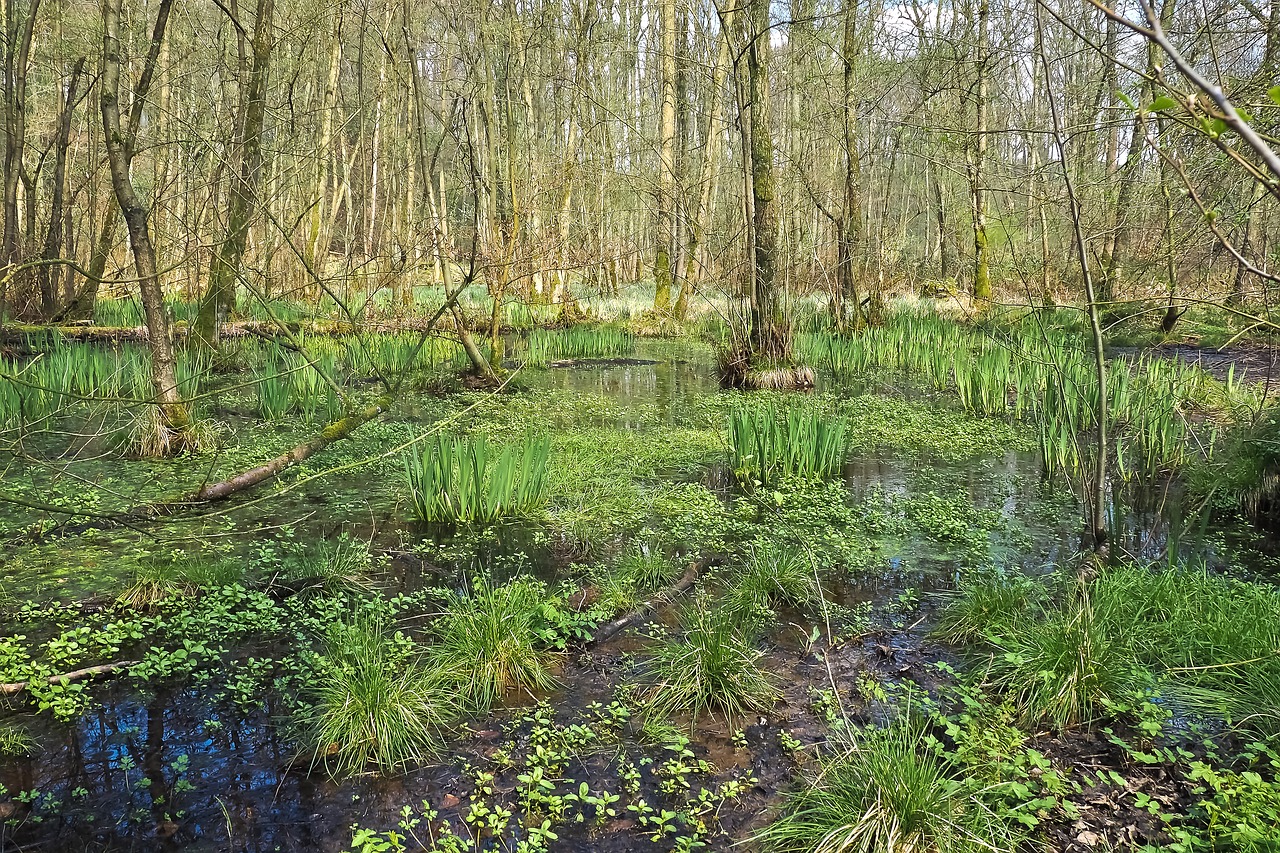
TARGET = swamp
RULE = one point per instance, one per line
(640, 425)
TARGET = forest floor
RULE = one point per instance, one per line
(198, 747)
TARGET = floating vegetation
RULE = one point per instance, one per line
(458, 479)
(766, 443)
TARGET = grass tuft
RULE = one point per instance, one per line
(772, 576)
(886, 793)
(374, 702)
(494, 639)
(15, 742)
(713, 666)
(985, 606)
(768, 443)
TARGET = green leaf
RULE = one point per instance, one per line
(1274, 94)
(1164, 102)
(1128, 102)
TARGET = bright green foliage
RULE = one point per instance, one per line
(1211, 633)
(767, 443)
(497, 639)
(455, 479)
(159, 579)
(713, 666)
(640, 571)
(773, 575)
(886, 793)
(578, 342)
(1023, 369)
(373, 703)
(1240, 812)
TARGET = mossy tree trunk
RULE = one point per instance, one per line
(224, 272)
(768, 336)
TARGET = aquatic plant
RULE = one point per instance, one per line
(772, 575)
(543, 346)
(330, 567)
(373, 701)
(886, 792)
(16, 742)
(158, 579)
(766, 443)
(713, 665)
(494, 641)
(456, 479)
(985, 605)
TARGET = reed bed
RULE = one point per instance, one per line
(769, 442)
(456, 479)
(542, 346)
(1046, 375)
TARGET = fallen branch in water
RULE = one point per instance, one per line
(66, 677)
(686, 581)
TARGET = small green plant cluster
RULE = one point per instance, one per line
(458, 479)
(527, 793)
(1207, 639)
(887, 792)
(768, 443)
(373, 702)
(772, 575)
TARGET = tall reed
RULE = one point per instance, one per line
(457, 479)
(768, 443)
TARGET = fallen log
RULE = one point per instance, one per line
(686, 580)
(67, 677)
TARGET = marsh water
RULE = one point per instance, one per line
(165, 768)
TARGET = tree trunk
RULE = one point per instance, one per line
(50, 273)
(664, 260)
(977, 164)
(224, 273)
(119, 154)
(851, 220)
(17, 53)
(769, 338)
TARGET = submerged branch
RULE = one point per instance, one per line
(686, 581)
(67, 677)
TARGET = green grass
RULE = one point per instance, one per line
(160, 579)
(1215, 636)
(772, 575)
(495, 641)
(886, 793)
(1064, 669)
(577, 342)
(985, 606)
(16, 742)
(457, 479)
(373, 702)
(767, 443)
(640, 571)
(330, 567)
(712, 666)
